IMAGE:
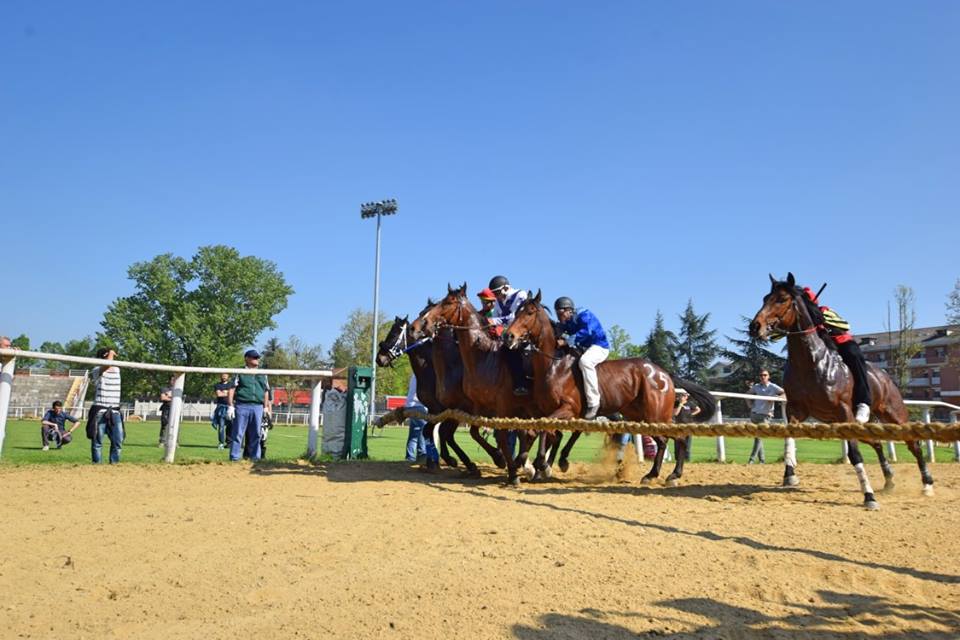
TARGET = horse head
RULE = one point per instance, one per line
(394, 344)
(528, 324)
(452, 310)
(780, 310)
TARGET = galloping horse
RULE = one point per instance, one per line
(435, 396)
(633, 387)
(819, 384)
(486, 375)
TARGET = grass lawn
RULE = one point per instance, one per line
(198, 443)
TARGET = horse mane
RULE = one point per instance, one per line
(813, 309)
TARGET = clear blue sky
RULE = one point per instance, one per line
(628, 154)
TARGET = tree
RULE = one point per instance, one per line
(658, 346)
(52, 347)
(85, 346)
(22, 342)
(197, 312)
(695, 346)
(904, 345)
(953, 304)
(619, 340)
(295, 354)
(354, 345)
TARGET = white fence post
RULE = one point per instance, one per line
(314, 429)
(6, 384)
(843, 452)
(892, 450)
(176, 408)
(931, 455)
(721, 445)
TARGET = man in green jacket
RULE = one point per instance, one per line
(248, 400)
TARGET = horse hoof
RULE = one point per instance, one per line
(646, 480)
(472, 472)
(889, 484)
(563, 464)
(928, 489)
(499, 461)
(547, 473)
(672, 482)
(529, 470)
(790, 481)
(515, 483)
(450, 462)
(871, 505)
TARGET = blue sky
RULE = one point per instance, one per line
(631, 155)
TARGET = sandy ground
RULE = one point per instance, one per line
(379, 550)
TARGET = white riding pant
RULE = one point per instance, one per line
(588, 365)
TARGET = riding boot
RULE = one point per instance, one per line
(852, 356)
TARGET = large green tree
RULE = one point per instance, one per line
(200, 311)
(658, 347)
(619, 341)
(695, 346)
(294, 354)
(353, 347)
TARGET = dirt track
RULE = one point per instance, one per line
(379, 550)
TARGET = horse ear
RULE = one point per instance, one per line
(406, 318)
(538, 297)
(449, 288)
(773, 281)
(790, 279)
(463, 288)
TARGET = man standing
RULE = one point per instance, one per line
(684, 414)
(52, 426)
(220, 420)
(762, 411)
(105, 416)
(166, 400)
(247, 401)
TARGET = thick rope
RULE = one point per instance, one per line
(817, 431)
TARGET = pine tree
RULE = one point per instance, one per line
(695, 346)
(658, 348)
(750, 357)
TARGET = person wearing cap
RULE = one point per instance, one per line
(684, 413)
(247, 401)
(487, 301)
(504, 310)
(588, 337)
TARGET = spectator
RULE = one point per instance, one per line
(166, 398)
(219, 420)
(416, 445)
(762, 411)
(52, 427)
(684, 414)
(105, 416)
(5, 343)
(247, 401)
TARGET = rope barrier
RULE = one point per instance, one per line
(816, 431)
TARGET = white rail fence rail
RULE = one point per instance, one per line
(178, 410)
(8, 357)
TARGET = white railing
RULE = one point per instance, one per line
(9, 358)
(891, 449)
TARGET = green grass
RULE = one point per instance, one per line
(198, 443)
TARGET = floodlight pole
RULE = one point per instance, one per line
(384, 207)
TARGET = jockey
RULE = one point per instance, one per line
(508, 301)
(487, 301)
(589, 337)
(839, 330)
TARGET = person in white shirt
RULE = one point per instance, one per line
(762, 411)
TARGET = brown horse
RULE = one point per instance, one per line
(436, 395)
(486, 375)
(818, 384)
(637, 389)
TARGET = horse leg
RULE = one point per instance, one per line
(888, 483)
(925, 476)
(525, 440)
(445, 439)
(654, 472)
(447, 430)
(564, 464)
(856, 459)
(512, 478)
(680, 453)
(555, 448)
(492, 451)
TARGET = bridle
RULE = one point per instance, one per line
(527, 340)
(402, 345)
(775, 326)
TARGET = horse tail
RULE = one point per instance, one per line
(705, 399)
